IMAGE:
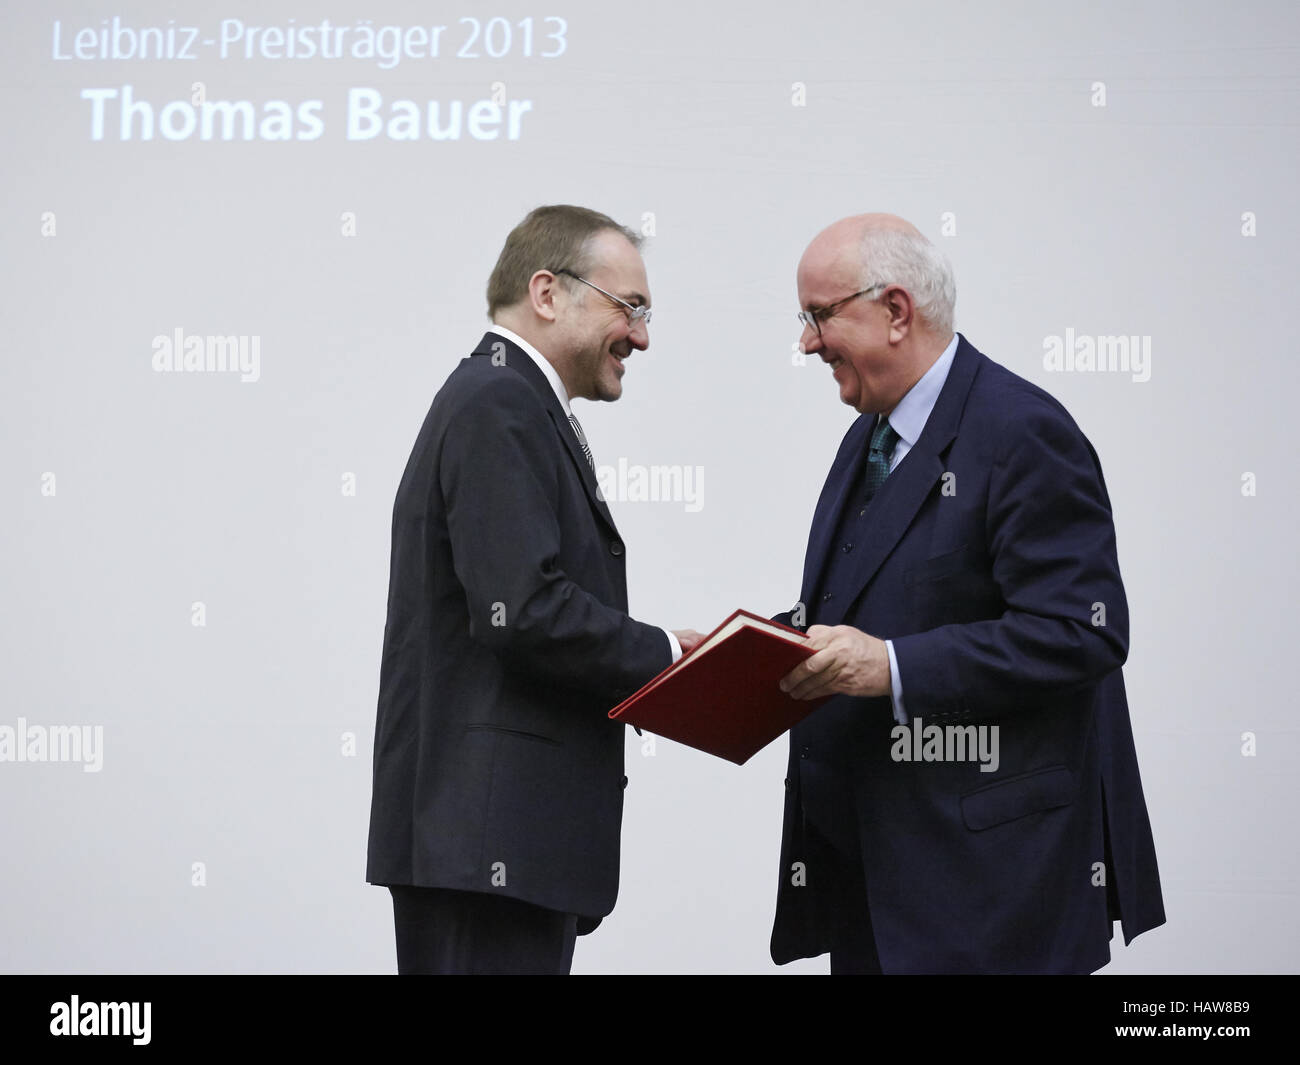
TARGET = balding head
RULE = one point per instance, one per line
(885, 248)
(848, 233)
(883, 296)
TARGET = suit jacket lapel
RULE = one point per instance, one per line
(907, 487)
(588, 475)
(520, 361)
(846, 471)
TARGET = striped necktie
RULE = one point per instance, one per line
(582, 442)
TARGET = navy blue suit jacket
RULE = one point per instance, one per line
(989, 559)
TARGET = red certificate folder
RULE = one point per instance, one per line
(723, 698)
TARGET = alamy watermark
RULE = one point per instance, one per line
(53, 743)
(919, 742)
(75, 1017)
(1084, 353)
(178, 353)
(627, 483)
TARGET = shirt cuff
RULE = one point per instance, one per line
(673, 645)
(896, 685)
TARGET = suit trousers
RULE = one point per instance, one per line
(444, 932)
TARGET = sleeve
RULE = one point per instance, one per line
(1052, 546)
(896, 686)
(499, 478)
(674, 644)
(788, 617)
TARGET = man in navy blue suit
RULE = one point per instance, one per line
(969, 799)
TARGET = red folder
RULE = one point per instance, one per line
(723, 698)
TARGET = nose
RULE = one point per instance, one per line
(638, 334)
(810, 340)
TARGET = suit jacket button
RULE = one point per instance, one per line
(616, 549)
(787, 782)
(826, 598)
(625, 782)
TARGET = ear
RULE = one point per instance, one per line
(898, 304)
(542, 289)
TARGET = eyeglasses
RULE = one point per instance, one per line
(634, 314)
(814, 319)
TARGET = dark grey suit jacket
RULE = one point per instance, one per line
(507, 642)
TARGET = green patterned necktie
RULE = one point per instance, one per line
(883, 439)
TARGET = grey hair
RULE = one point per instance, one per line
(897, 257)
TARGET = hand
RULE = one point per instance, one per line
(689, 639)
(847, 662)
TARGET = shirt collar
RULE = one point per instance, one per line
(543, 363)
(913, 410)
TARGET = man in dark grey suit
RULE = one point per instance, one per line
(498, 777)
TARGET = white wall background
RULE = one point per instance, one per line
(222, 743)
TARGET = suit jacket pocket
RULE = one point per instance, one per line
(954, 588)
(962, 559)
(1031, 793)
(520, 733)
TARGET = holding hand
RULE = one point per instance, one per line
(847, 662)
(689, 639)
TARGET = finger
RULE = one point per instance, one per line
(817, 682)
(809, 667)
(794, 678)
(819, 636)
(821, 661)
(815, 687)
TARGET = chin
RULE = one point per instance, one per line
(609, 387)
